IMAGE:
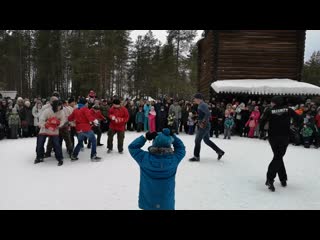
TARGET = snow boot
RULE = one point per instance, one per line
(284, 183)
(220, 154)
(270, 185)
(96, 159)
(194, 159)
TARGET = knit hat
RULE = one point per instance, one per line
(82, 100)
(71, 100)
(163, 140)
(116, 101)
(198, 96)
(56, 94)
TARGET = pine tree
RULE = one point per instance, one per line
(311, 70)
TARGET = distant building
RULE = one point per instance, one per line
(11, 94)
(249, 54)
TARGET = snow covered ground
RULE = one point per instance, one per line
(234, 182)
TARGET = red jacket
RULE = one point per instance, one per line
(318, 120)
(97, 114)
(82, 118)
(121, 118)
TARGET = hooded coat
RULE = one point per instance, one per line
(158, 168)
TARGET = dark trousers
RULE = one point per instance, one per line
(41, 139)
(131, 124)
(279, 147)
(203, 133)
(120, 135)
(104, 126)
(28, 131)
(97, 131)
(139, 127)
(191, 130)
(63, 135)
(73, 133)
(214, 128)
(14, 131)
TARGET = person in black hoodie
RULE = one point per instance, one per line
(279, 117)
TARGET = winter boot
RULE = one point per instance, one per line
(60, 162)
(270, 185)
(73, 158)
(38, 160)
(96, 159)
(194, 159)
(284, 183)
(220, 154)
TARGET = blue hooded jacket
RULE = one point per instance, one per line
(158, 168)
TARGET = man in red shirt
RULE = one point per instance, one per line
(119, 116)
(84, 120)
(95, 111)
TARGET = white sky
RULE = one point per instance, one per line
(312, 39)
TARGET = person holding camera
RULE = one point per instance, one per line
(158, 168)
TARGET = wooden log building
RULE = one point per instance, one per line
(249, 54)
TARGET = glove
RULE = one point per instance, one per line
(151, 135)
(96, 122)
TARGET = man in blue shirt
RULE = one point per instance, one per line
(204, 129)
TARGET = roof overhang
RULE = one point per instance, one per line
(265, 87)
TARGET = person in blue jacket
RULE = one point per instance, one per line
(158, 168)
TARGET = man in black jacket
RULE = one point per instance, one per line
(279, 118)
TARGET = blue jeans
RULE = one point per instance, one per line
(81, 136)
(41, 139)
(203, 133)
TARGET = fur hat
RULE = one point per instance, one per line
(163, 140)
(27, 103)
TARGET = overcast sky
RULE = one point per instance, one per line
(312, 39)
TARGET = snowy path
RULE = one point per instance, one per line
(235, 182)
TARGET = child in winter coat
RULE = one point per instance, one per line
(228, 125)
(152, 119)
(190, 123)
(251, 123)
(140, 120)
(158, 168)
(162, 119)
(172, 122)
(306, 133)
(14, 123)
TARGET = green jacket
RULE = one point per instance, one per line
(306, 132)
(14, 119)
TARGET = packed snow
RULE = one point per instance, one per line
(234, 182)
(265, 87)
